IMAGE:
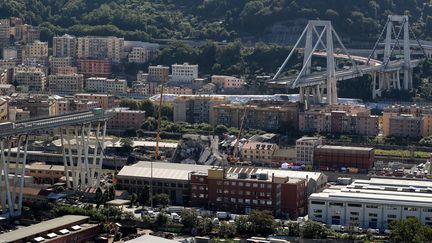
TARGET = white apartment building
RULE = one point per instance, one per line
(100, 47)
(373, 203)
(66, 83)
(96, 84)
(116, 86)
(60, 62)
(36, 49)
(142, 77)
(64, 46)
(184, 73)
(104, 85)
(305, 147)
(31, 77)
(139, 55)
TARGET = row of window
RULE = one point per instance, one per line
(247, 201)
(247, 193)
(388, 207)
(155, 183)
(247, 184)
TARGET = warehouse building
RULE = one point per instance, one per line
(335, 158)
(373, 203)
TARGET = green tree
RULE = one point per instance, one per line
(131, 104)
(262, 222)
(161, 199)
(243, 225)
(111, 193)
(126, 144)
(409, 230)
(149, 108)
(189, 219)
(133, 198)
(313, 230)
(150, 124)
(220, 130)
(99, 197)
(161, 219)
(205, 226)
(227, 230)
(144, 198)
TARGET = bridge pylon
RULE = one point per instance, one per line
(396, 30)
(317, 33)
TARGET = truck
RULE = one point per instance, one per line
(5, 126)
(222, 215)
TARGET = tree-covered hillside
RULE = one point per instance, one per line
(211, 19)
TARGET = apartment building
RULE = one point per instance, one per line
(335, 158)
(227, 82)
(104, 85)
(268, 116)
(139, 55)
(175, 90)
(373, 203)
(305, 148)
(184, 73)
(345, 119)
(105, 101)
(142, 77)
(92, 47)
(243, 189)
(64, 46)
(30, 34)
(36, 49)
(158, 73)
(66, 83)
(60, 62)
(258, 152)
(31, 77)
(38, 105)
(407, 121)
(5, 30)
(66, 70)
(195, 109)
(124, 119)
(94, 67)
(69, 104)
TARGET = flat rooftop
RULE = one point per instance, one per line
(161, 170)
(382, 191)
(349, 148)
(40, 228)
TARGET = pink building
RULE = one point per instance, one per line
(346, 119)
(126, 119)
(227, 82)
(94, 67)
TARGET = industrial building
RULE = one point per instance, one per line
(305, 148)
(373, 203)
(68, 228)
(170, 178)
(242, 189)
(334, 158)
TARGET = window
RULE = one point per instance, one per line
(255, 202)
(233, 200)
(269, 186)
(233, 183)
(354, 213)
(248, 184)
(354, 205)
(373, 215)
(226, 183)
(247, 193)
(262, 194)
(336, 204)
(317, 210)
(247, 201)
(219, 199)
(410, 209)
(371, 206)
(219, 183)
(391, 216)
(429, 210)
(262, 185)
(240, 184)
(317, 203)
(240, 200)
(255, 184)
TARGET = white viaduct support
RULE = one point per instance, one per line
(12, 177)
(83, 167)
(82, 161)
